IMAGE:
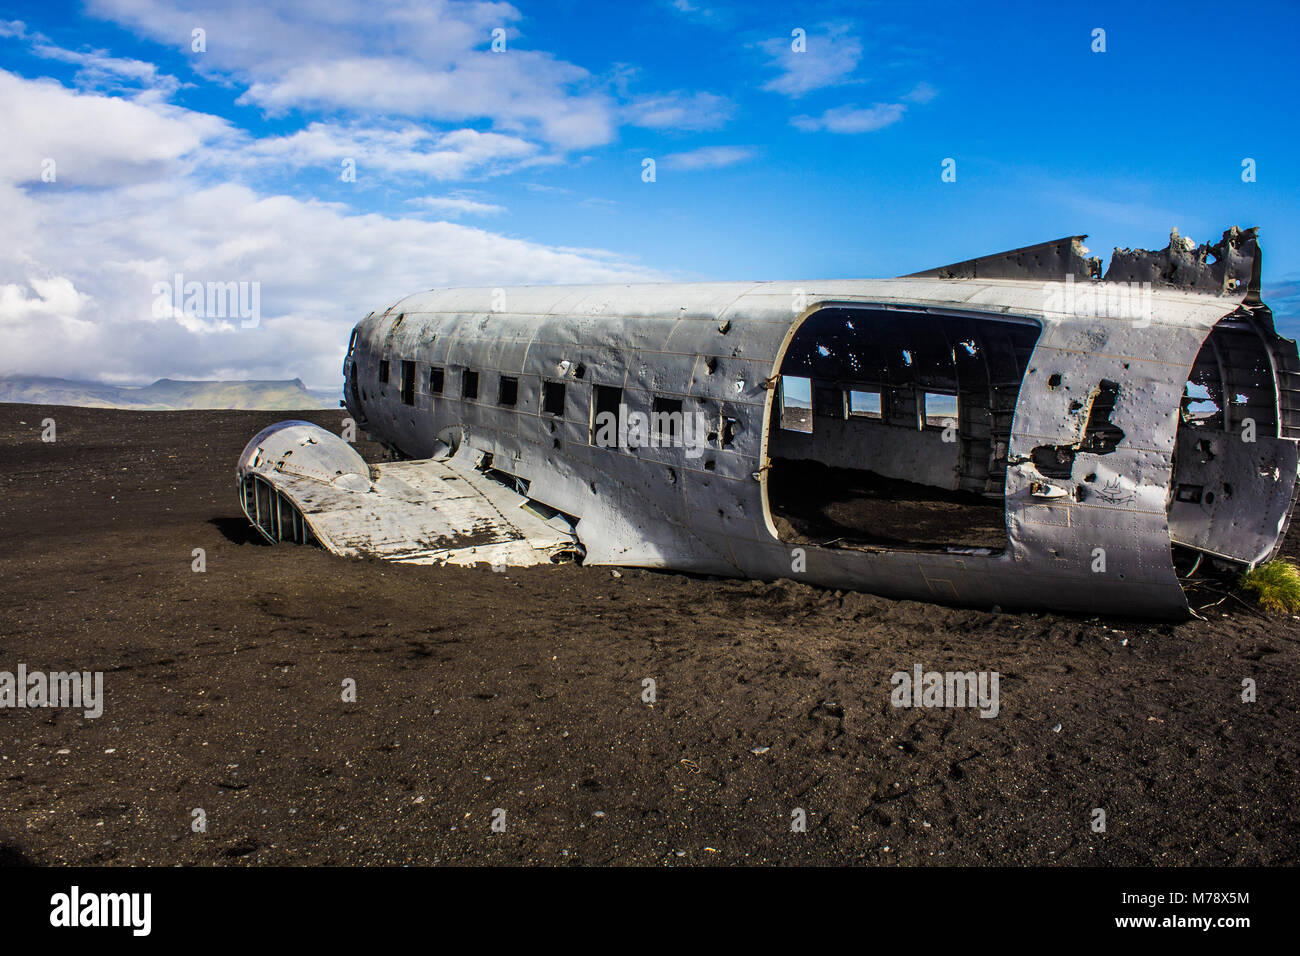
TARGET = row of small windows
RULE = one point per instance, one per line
(934, 409)
(507, 387)
(665, 420)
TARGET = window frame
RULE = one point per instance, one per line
(877, 416)
(544, 403)
(513, 385)
(923, 409)
(781, 418)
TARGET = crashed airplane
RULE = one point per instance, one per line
(1010, 430)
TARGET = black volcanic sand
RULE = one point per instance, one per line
(855, 508)
(522, 691)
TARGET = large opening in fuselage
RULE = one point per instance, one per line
(1233, 464)
(889, 429)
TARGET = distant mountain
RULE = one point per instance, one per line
(167, 394)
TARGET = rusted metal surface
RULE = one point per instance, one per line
(1083, 455)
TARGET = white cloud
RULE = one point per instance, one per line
(456, 206)
(95, 68)
(830, 56)
(56, 305)
(851, 119)
(437, 62)
(921, 93)
(404, 60)
(78, 266)
(520, 91)
(94, 140)
(708, 157)
(98, 69)
(680, 111)
(406, 149)
(703, 14)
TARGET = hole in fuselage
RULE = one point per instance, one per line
(1228, 438)
(883, 435)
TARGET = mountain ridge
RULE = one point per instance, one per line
(167, 394)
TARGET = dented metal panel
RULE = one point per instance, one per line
(1228, 266)
(1055, 260)
(411, 512)
(1081, 441)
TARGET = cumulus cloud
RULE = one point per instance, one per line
(94, 140)
(437, 62)
(79, 267)
(109, 189)
(53, 297)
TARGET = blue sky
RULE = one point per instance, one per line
(483, 168)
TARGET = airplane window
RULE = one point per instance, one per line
(859, 404)
(796, 403)
(553, 398)
(939, 409)
(508, 392)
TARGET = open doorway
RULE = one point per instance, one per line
(890, 429)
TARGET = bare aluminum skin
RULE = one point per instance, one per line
(720, 346)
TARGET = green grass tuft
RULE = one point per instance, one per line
(1276, 585)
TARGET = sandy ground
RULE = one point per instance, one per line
(523, 692)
